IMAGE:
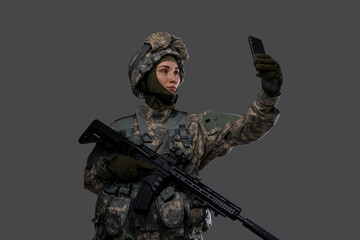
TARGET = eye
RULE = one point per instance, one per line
(164, 71)
(176, 73)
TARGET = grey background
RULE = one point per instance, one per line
(64, 63)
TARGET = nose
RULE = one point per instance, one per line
(175, 78)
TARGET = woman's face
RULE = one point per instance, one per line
(168, 74)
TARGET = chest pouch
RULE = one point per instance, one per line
(112, 208)
(176, 135)
(172, 211)
(103, 201)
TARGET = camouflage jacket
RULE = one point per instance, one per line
(213, 135)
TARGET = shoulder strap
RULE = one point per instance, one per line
(125, 126)
(179, 123)
(144, 130)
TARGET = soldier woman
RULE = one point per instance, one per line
(156, 71)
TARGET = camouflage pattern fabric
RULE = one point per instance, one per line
(97, 176)
(217, 141)
(156, 123)
(213, 135)
(162, 43)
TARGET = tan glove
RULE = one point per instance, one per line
(126, 168)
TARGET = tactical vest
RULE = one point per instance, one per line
(175, 136)
(118, 199)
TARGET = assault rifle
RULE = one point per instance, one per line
(165, 169)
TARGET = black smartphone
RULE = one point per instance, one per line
(256, 45)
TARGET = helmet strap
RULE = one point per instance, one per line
(144, 49)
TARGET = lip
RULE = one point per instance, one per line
(172, 89)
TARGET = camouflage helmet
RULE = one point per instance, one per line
(155, 47)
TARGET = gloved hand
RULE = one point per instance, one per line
(126, 168)
(270, 73)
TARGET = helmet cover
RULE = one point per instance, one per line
(162, 43)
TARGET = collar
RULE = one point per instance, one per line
(151, 115)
